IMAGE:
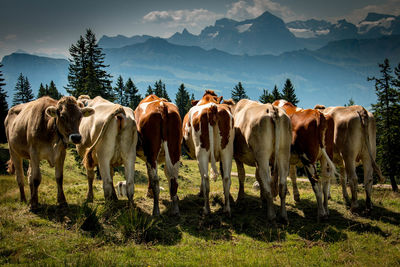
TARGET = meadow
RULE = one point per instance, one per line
(103, 234)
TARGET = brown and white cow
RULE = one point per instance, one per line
(159, 127)
(109, 140)
(263, 134)
(40, 130)
(354, 142)
(209, 134)
(310, 142)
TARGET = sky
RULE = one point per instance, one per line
(49, 27)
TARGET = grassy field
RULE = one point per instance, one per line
(113, 235)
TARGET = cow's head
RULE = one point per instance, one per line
(68, 116)
(209, 97)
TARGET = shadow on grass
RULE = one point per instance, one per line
(249, 218)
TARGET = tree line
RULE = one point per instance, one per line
(87, 75)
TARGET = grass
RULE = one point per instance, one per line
(87, 234)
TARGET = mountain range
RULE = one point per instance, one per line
(330, 74)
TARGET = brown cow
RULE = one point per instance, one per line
(109, 140)
(40, 130)
(159, 126)
(354, 142)
(309, 143)
(209, 134)
(263, 134)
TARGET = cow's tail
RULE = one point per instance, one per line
(363, 114)
(276, 121)
(212, 120)
(88, 161)
(10, 167)
(323, 128)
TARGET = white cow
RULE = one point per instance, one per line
(108, 140)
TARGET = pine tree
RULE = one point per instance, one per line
(77, 68)
(350, 103)
(149, 91)
(132, 94)
(189, 103)
(288, 93)
(182, 99)
(23, 92)
(3, 108)
(120, 91)
(52, 91)
(160, 91)
(276, 94)
(42, 91)
(86, 70)
(238, 92)
(387, 115)
(266, 97)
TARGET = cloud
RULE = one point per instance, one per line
(387, 7)
(10, 37)
(247, 9)
(195, 19)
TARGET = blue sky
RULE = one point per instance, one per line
(51, 26)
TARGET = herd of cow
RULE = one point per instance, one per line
(275, 138)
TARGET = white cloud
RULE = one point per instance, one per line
(387, 7)
(247, 9)
(10, 37)
(195, 19)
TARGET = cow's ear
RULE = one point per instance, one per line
(219, 99)
(51, 111)
(86, 112)
(194, 102)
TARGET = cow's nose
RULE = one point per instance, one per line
(75, 138)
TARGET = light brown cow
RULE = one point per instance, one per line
(263, 134)
(109, 140)
(209, 134)
(40, 130)
(309, 144)
(159, 126)
(354, 142)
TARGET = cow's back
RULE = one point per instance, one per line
(28, 124)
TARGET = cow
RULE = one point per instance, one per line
(263, 135)
(40, 130)
(208, 134)
(309, 144)
(109, 139)
(354, 143)
(159, 128)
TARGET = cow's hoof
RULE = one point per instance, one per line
(323, 219)
(150, 194)
(63, 204)
(283, 220)
(296, 197)
(156, 213)
(34, 207)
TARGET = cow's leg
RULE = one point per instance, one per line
(105, 172)
(265, 181)
(155, 186)
(325, 180)
(242, 178)
(34, 179)
(316, 186)
(352, 176)
(173, 186)
(90, 176)
(19, 174)
(129, 168)
(202, 160)
(283, 173)
(368, 180)
(59, 169)
(343, 183)
(293, 177)
(226, 161)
